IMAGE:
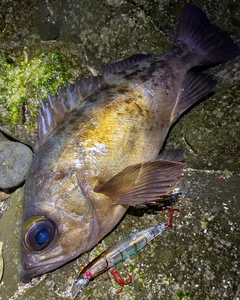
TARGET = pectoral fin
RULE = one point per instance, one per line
(142, 182)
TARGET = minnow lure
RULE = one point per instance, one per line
(117, 253)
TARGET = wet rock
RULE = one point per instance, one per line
(15, 159)
(10, 232)
(48, 31)
(1, 262)
(2, 137)
(197, 258)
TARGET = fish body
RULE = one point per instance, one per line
(98, 142)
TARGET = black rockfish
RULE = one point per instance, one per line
(99, 139)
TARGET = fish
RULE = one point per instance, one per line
(98, 140)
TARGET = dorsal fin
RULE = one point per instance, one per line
(111, 69)
(58, 106)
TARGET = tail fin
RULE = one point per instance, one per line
(209, 42)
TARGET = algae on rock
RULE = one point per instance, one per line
(24, 82)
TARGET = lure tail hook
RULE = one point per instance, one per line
(118, 278)
(171, 210)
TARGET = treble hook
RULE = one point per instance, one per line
(171, 210)
(118, 278)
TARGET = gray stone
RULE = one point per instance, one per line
(10, 232)
(2, 137)
(15, 159)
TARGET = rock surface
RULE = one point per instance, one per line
(197, 258)
(10, 233)
(15, 159)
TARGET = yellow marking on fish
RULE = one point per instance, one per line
(112, 122)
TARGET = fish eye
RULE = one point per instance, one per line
(37, 233)
(42, 236)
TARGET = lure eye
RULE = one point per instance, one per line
(37, 233)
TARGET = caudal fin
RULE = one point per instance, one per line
(209, 42)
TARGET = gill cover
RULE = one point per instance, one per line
(37, 233)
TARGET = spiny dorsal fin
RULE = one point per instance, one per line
(57, 107)
(111, 69)
(195, 87)
(142, 182)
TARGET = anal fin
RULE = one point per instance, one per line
(143, 182)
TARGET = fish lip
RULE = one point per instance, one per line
(25, 276)
(29, 272)
(33, 267)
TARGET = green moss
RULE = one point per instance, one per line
(181, 295)
(141, 276)
(207, 224)
(89, 294)
(168, 280)
(23, 82)
(132, 268)
(97, 251)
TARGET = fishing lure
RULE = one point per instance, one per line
(117, 253)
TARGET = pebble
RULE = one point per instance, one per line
(15, 159)
(4, 196)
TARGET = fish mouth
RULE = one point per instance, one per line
(29, 272)
(26, 275)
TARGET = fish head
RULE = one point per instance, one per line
(58, 222)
